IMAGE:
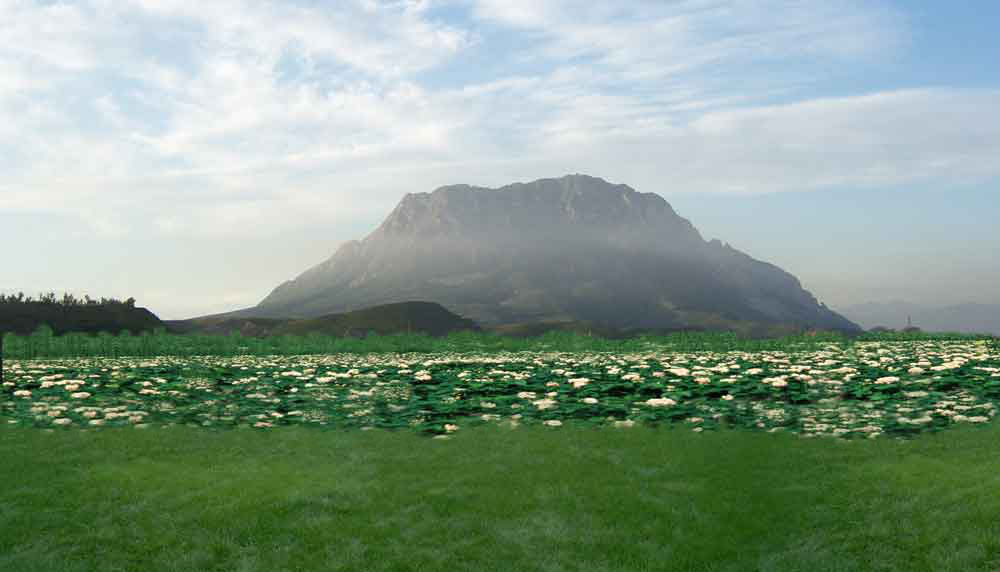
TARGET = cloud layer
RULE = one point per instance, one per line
(249, 109)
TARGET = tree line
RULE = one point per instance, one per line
(68, 300)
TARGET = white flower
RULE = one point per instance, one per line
(681, 371)
(779, 383)
(72, 387)
(62, 421)
(80, 395)
(660, 402)
(22, 393)
(590, 400)
(544, 403)
(553, 422)
(262, 424)
(487, 405)
(449, 427)
(626, 423)
(727, 397)
(888, 379)
(526, 395)
(579, 382)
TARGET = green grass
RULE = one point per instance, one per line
(42, 344)
(493, 498)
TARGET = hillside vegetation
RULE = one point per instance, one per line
(22, 315)
(401, 317)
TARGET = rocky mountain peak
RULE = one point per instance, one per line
(571, 204)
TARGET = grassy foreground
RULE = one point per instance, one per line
(495, 498)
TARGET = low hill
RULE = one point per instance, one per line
(24, 315)
(427, 317)
(249, 327)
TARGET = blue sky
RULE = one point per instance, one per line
(195, 155)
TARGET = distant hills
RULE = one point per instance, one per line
(417, 317)
(22, 315)
(966, 318)
(576, 249)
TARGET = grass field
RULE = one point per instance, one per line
(669, 458)
(493, 498)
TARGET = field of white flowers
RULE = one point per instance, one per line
(867, 390)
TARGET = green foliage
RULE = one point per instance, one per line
(918, 335)
(161, 343)
(25, 315)
(494, 499)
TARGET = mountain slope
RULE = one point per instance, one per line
(575, 248)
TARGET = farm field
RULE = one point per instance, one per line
(826, 455)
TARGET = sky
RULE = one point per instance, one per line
(194, 155)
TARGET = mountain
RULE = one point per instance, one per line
(425, 317)
(968, 317)
(576, 248)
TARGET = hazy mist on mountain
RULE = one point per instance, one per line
(572, 248)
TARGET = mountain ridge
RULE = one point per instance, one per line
(570, 248)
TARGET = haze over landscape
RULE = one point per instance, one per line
(194, 160)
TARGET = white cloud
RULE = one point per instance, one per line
(228, 117)
(643, 40)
